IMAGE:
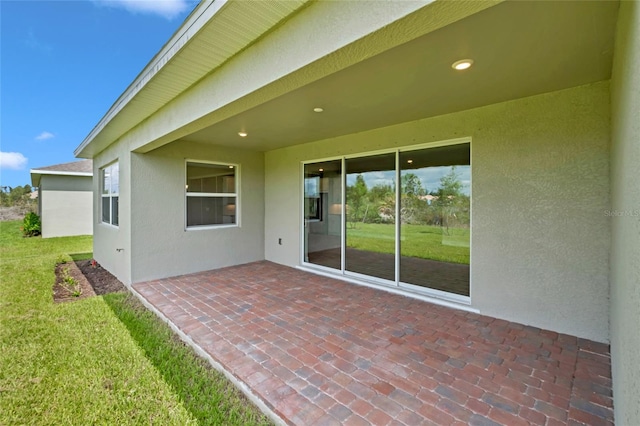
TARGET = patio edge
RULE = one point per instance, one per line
(242, 386)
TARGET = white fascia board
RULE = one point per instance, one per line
(36, 175)
(58, 172)
(194, 23)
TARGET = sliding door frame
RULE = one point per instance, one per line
(397, 284)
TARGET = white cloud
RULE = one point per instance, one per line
(44, 136)
(12, 160)
(166, 8)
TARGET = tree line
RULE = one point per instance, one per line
(446, 206)
(16, 196)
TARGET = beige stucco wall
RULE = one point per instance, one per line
(65, 205)
(111, 244)
(160, 245)
(540, 185)
(39, 202)
(625, 217)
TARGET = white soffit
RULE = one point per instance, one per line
(185, 59)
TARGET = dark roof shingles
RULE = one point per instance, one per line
(83, 166)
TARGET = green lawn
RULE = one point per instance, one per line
(423, 241)
(101, 360)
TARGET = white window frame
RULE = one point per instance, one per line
(235, 194)
(109, 196)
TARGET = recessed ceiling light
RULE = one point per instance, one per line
(242, 134)
(462, 64)
(318, 109)
(409, 161)
(321, 170)
(231, 167)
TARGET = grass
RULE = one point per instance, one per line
(101, 360)
(422, 241)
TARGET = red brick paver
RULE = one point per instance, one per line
(319, 351)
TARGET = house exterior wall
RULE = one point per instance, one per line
(540, 185)
(625, 217)
(40, 202)
(112, 244)
(160, 245)
(65, 205)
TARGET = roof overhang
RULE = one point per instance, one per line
(214, 32)
(36, 175)
(520, 49)
(389, 71)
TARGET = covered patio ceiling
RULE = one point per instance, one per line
(519, 49)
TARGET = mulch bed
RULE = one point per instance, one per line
(92, 281)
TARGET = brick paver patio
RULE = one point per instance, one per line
(319, 351)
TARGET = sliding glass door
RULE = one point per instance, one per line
(402, 218)
(436, 216)
(323, 213)
(370, 216)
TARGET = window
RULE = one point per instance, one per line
(312, 200)
(211, 193)
(110, 181)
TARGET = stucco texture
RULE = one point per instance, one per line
(160, 245)
(65, 205)
(625, 217)
(112, 244)
(540, 186)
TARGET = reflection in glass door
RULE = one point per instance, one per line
(436, 213)
(370, 216)
(323, 213)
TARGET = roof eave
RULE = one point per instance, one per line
(104, 133)
(52, 172)
(194, 22)
(36, 175)
(35, 178)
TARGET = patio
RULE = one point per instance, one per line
(319, 351)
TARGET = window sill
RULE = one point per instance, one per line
(206, 227)
(108, 225)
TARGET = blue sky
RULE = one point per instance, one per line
(63, 64)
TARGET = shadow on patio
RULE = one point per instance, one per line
(321, 351)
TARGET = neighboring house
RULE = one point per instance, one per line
(244, 137)
(65, 198)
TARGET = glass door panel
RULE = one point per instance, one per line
(370, 215)
(323, 213)
(435, 218)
